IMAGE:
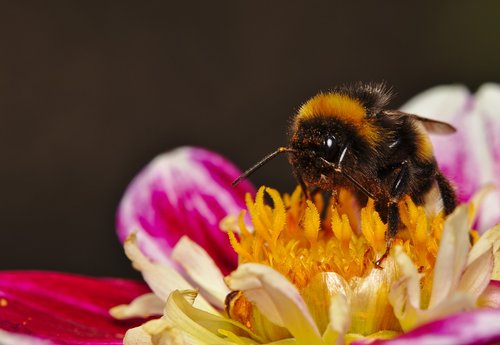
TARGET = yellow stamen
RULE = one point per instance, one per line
(292, 237)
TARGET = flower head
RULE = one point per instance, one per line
(306, 274)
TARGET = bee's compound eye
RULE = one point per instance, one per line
(330, 148)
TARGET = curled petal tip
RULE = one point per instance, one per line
(186, 191)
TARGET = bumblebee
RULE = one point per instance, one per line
(346, 138)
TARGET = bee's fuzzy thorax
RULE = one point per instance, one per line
(373, 96)
(352, 105)
(333, 104)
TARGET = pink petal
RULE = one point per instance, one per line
(488, 108)
(481, 326)
(183, 192)
(65, 308)
(470, 157)
(452, 104)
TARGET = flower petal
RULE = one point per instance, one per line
(370, 296)
(137, 336)
(277, 299)
(452, 256)
(184, 192)
(405, 297)
(488, 241)
(443, 103)
(198, 326)
(476, 143)
(202, 270)
(491, 295)
(161, 278)
(477, 275)
(472, 328)
(154, 332)
(143, 306)
(7, 338)
(340, 320)
(488, 107)
(451, 104)
(64, 308)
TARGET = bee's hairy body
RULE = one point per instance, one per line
(345, 138)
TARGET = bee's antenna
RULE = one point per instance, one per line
(261, 163)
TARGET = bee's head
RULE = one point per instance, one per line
(315, 141)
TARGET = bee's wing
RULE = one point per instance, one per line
(432, 126)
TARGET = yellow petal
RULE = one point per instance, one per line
(277, 299)
(201, 327)
(496, 267)
(370, 306)
(318, 296)
(340, 320)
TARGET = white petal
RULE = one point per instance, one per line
(137, 336)
(276, 298)
(442, 103)
(404, 295)
(161, 278)
(410, 272)
(164, 333)
(477, 276)
(490, 240)
(143, 306)
(8, 338)
(154, 332)
(202, 270)
(452, 256)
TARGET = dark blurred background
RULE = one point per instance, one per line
(91, 91)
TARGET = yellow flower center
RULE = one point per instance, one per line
(306, 239)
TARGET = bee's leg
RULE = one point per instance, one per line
(303, 185)
(447, 193)
(398, 190)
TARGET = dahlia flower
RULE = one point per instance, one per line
(310, 279)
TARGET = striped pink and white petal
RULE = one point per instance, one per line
(188, 192)
(58, 308)
(479, 327)
(488, 107)
(471, 156)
